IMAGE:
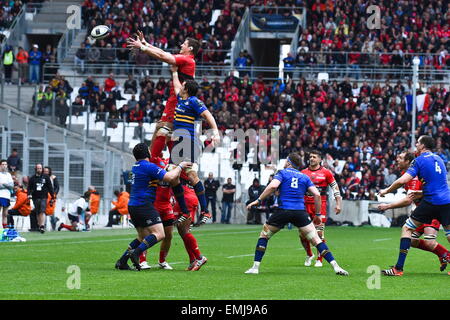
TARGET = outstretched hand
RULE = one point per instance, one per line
(134, 44)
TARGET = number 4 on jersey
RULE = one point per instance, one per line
(438, 168)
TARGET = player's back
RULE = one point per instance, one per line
(431, 171)
(187, 112)
(186, 69)
(293, 188)
(144, 180)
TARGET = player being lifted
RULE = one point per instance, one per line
(292, 185)
(144, 178)
(430, 231)
(187, 144)
(322, 178)
(186, 67)
(430, 170)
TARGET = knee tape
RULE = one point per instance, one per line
(310, 235)
(267, 233)
(416, 235)
(164, 130)
(410, 224)
(430, 237)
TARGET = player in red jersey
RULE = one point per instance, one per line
(322, 178)
(429, 231)
(185, 70)
(196, 259)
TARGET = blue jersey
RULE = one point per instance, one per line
(144, 180)
(186, 113)
(293, 187)
(431, 171)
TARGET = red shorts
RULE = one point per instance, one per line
(169, 110)
(166, 213)
(311, 210)
(434, 224)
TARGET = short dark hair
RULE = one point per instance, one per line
(87, 195)
(295, 160)
(316, 152)
(3, 160)
(116, 192)
(195, 44)
(140, 151)
(409, 156)
(191, 87)
(427, 141)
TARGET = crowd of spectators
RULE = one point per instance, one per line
(334, 28)
(165, 24)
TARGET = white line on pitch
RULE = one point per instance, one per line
(385, 239)
(242, 255)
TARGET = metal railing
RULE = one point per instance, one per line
(109, 55)
(308, 71)
(241, 37)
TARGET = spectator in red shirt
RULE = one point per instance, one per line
(110, 83)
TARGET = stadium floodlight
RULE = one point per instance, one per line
(416, 62)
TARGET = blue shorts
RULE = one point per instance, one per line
(144, 216)
(4, 202)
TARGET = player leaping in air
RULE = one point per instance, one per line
(430, 231)
(430, 169)
(322, 178)
(186, 71)
(187, 144)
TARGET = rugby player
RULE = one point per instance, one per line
(430, 170)
(430, 231)
(185, 63)
(322, 178)
(144, 177)
(75, 211)
(292, 185)
(186, 143)
(196, 259)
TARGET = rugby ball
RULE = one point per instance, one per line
(100, 32)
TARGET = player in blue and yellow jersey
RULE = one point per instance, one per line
(292, 185)
(187, 144)
(435, 204)
(144, 180)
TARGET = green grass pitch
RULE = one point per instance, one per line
(37, 269)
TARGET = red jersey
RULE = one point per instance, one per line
(163, 190)
(186, 69)
(321, 178)
(414, 185)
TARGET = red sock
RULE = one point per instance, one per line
(188, 250)
(162, 256)
(191, 243)
(319, 257)
(68, 227)
(4, 225)
(440, 250)
(143, 257)
(158, 146)
(307, 246)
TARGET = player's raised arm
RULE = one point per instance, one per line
(151, 50)
(271, 188)
(177, 86)
(212, 123)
